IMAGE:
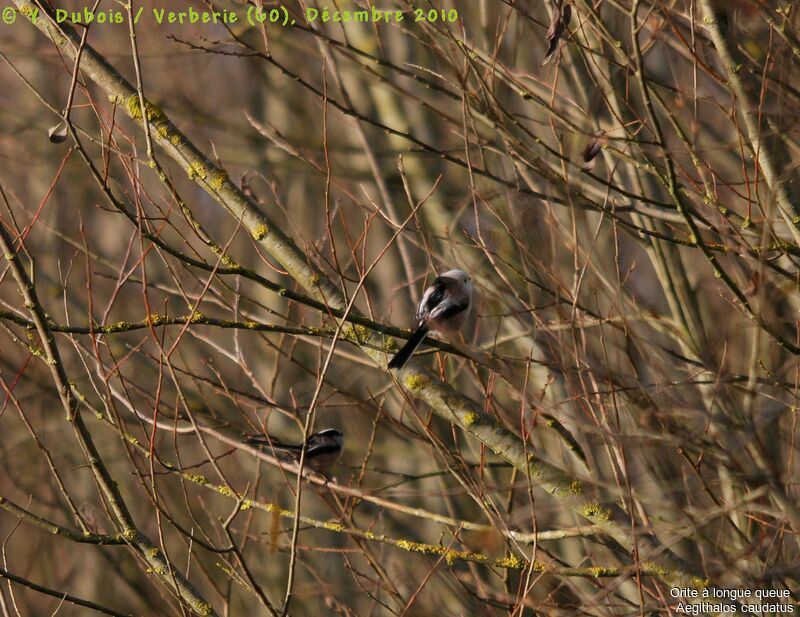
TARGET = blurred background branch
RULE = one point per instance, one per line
(616, 177)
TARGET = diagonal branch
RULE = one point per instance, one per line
(752, 115)
(58, 530)
(64, 597)
(442, 398)
(108, 487)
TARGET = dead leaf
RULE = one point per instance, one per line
(562, 14)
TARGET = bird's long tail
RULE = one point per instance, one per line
(260, 440)
(402, 356)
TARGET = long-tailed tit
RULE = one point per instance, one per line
(323, 449)
(444, 308)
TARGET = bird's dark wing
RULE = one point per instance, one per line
(322, 448)
(450, 310)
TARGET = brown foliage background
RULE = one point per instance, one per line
(635, 328)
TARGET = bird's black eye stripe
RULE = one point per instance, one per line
(436, 297)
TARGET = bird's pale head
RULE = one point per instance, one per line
(457, 275)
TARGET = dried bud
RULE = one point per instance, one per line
(752, 288)
(591, 150)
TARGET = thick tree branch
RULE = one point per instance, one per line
(442, 398)
(108, 487)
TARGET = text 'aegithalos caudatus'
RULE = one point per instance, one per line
(323, 449)
(444, 309)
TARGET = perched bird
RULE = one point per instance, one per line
(444, 308)
(323, 449)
